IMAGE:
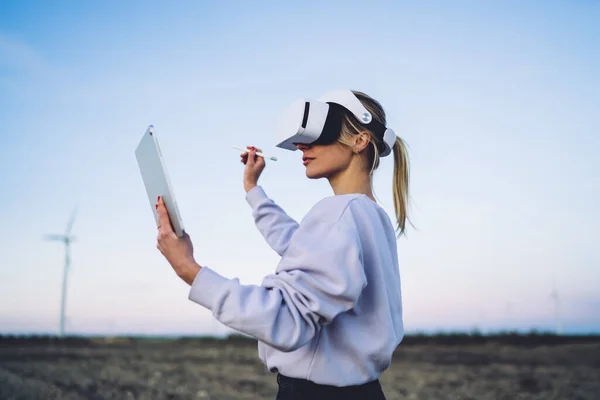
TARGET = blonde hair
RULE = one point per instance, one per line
(351, 126)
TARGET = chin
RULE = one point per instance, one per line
(315, 176)
(312, 175)
(315, 173)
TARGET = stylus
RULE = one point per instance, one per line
(258, 153)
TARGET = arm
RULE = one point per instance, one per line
(273, 223)
(320, 276)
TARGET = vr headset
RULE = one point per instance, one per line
(319, 121)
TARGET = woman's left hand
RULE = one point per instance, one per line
(179, 251)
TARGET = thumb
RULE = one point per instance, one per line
(251, 155)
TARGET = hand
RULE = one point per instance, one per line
(179, 252)
(254, 167)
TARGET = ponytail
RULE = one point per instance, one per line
(400, 184)
(351, 126)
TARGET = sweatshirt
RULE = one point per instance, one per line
(331, 312)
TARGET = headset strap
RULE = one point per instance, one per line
(350, 102)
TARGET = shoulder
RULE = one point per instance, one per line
(330, 209)
(328, 228)
(336, 224)
(342, 210)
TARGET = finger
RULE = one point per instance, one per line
(251, 157)
(245, 154)
(259, 159)
(164, 221)
(247, 150)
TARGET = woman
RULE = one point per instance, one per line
(330, 317)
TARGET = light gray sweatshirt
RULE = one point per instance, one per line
(332, 311)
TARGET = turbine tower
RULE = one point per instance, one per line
(67, 239)
(556, 299)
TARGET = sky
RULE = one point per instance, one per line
(498, 102)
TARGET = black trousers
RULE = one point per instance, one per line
(300, 389)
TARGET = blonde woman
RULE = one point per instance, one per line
(329, 318)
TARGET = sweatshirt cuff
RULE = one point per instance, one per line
(205, 287)
(255, 196)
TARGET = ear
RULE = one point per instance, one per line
(361, 141)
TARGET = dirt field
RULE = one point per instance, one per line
(229, 370)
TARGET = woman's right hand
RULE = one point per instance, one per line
(254, 167)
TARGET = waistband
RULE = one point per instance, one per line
(283, 380)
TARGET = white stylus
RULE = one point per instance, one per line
(258, 153)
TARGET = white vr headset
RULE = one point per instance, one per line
(319, 121)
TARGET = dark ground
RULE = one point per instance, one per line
(452, 367)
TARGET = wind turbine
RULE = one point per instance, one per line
(67, 239)
(556, 299)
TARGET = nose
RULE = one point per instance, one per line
(302, 146)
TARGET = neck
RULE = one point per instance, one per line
(351, 181)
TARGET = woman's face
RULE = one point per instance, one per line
(324, 161)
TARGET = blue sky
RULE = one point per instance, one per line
(498, 102)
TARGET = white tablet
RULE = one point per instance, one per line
(156, 180)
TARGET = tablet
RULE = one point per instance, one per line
(156, 180)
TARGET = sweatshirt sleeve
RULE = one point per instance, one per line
(320, 276)
(271, 220)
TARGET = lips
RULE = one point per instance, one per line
(306, 160)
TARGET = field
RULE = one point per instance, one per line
(441, 367)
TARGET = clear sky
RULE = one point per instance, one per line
(498, 101)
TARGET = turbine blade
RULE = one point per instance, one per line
(71, 221)
(54, 237)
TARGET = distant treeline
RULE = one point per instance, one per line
(438, 339)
